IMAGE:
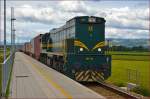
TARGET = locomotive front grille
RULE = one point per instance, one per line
(89, 75)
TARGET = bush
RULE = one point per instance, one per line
(141, 90)
(120, 84)
(1, 58)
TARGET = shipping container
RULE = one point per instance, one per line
(37, 46)
(27, 48)
(23, 48)
(32, 47)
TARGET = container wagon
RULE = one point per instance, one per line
(27, 47)
(36, 47)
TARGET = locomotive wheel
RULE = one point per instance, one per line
(51, 62)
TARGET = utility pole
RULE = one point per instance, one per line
(108, 46)
(0, 25)
(4, 30)
(12, 30)
(14, 39)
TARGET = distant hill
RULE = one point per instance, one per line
(130, 42)
(124, 42)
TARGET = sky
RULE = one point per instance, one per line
(124, 19)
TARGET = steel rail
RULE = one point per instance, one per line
(115, 89)
(120, 91)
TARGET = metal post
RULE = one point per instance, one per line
(14, 38)
(108, 46)
(11, 31)
(4, 30)
(0, 24)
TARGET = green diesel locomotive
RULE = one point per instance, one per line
(78, 49)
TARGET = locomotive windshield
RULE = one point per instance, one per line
(92, 20)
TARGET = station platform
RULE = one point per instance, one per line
(32, 79)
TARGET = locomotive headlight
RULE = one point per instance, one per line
(99, 49)
(81, 49)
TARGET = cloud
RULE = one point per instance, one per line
(126, 33)
(72, 6)
(121, 22)
(126, 18)
(28, 13)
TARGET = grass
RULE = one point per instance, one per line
(1, 57)
(128, 63)
(8, 87)
(131, 57)
(139, 56)
(1, 60)
(141, 90)
(129, 52)
(1, 54)
(0, 79)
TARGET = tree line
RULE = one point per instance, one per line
(124, 48)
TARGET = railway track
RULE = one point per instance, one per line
(111, 91)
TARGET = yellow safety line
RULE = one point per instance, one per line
(51, 82)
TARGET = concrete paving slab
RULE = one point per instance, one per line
(32, 79)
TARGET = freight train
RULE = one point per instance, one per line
(76, 49)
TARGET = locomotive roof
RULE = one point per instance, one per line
(76, 17)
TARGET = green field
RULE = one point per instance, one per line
(1, 60)
(129, 53)
(1, 54)
(135, 56)
(138, 66)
